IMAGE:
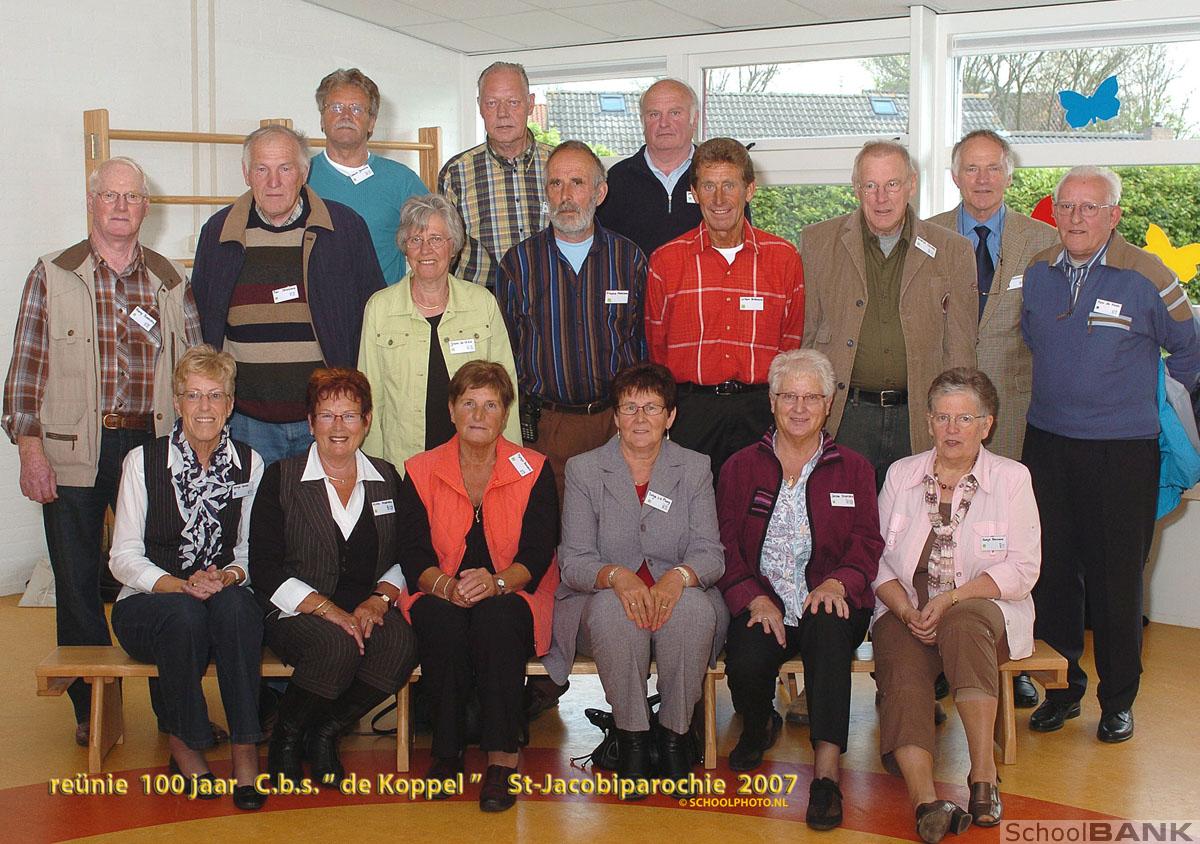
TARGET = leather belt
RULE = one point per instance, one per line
(886, 398)
(725, 388)
(577, 409)
(127, 421)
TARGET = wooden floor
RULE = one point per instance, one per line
(1061, 776)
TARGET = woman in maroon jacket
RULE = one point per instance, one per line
(800, 527)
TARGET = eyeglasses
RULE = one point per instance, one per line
(109, 197)
(1087, 210)
(350, 418)
(435, 241)
(963, 420)
(631, 409)
(342, 108)
(811, 400)
(194, 396)
(891, 186)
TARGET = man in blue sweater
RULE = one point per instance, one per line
(1097, 310)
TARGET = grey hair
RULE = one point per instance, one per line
(349, 77)
(691, 92)
(580, 146)
(882, 147)
(1092, 171)
(994, 137)
(276, 129)
(414, 218)
(518, 69)
(93, 182)
(801, 362)
(965, 379)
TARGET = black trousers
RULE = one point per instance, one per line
(485, 648)
(720, 425)
(1097, 500)
(825, 642)
(880, 434)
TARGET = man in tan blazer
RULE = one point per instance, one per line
(982, 168)
(891, 301)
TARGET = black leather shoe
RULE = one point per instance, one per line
(936, 819)
(495, 796)
(1115, 727)
(542, 693)
(445, 768)
(747, 754)
(633, 758)
(824, 804)
(248, 798)
(207, 791)
(1025, 694)
(83, 732)
(1050, 716)
(675, 757)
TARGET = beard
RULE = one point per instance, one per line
(571, 218)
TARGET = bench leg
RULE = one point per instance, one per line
(107, 722)
(710, 721)
(403, 730)
(1006, 721)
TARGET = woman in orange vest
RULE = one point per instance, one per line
(478, 552)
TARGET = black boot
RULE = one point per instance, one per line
(675, 757)
(633, 758)
(344, 713)
(298, 708)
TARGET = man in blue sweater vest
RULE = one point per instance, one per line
(1097, 310)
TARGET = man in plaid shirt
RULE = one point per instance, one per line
(100, 327)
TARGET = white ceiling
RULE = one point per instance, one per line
(492, 26)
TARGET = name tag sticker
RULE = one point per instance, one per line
(520, 464)
(993, 543)
(142, 318)
(616, 297)
(1103, 306)
(751, 303)
(462, 347)
(382, 508)
(241, 490)
(841, 499)
(285, 294)
(925, 246)
(658, 502)
(1016, 282)
(691, 197)
(362, 174)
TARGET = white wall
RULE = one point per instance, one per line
(205, 65)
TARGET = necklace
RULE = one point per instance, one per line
(946, 487)
(479, 513)
(434, 307)
(339, 480)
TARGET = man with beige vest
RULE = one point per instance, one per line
(891, 301)
(100, 327)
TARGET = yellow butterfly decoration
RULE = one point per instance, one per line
(1181, 260)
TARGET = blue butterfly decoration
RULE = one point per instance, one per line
(1082, 109)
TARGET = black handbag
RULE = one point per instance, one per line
(604, 755)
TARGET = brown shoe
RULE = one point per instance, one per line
(936, 819)
(984, 805)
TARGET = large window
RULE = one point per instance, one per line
(603, 113)
(786, 209)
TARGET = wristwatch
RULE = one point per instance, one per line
(501, 586)
(386, 600)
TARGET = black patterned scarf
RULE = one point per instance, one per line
(202, 493)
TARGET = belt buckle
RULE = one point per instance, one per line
(889, 398)
(112, 426)
(727, 388)
(594, 407)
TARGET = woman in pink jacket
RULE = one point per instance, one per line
(963, 550)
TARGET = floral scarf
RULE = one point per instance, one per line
(941, 551)
(202, 494)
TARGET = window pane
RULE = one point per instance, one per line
(1018, 93)
(786, 209)
(866, 96)
(1164, 196)
(603, 113)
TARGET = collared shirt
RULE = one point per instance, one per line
(502, 202)
(572, 332)
(128, 559)
(292, 592)
(995, 223)
(669, 180)
(1077, 273)
(787, 545)
(126, 351)
(710, 321)
(881, 362)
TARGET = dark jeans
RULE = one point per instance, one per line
(720, 425)
(825, 642)
(1097, 501)
(180, 635)
(74, 526)
(880, 434)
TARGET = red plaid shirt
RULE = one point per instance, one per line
(703, 316)
(126, 351)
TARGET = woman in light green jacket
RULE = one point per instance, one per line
(416, 334)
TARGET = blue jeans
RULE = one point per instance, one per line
(74, 524)
(180, 635)
(880, 434)
(272, 440)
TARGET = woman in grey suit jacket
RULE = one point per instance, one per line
(640, 554)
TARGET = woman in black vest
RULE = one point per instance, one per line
(180, 545)
(323, 556)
